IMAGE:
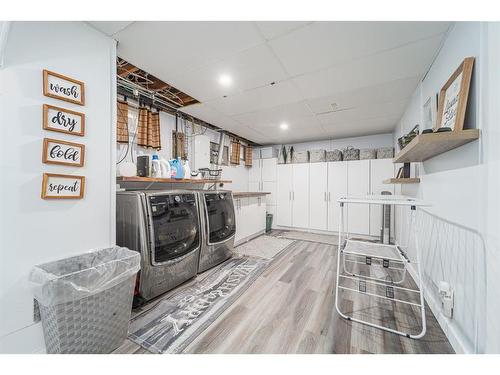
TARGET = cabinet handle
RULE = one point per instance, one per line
(325, 197)
(293, 195)
(289, 195)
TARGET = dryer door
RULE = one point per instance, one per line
(175, 226)
(219, 211)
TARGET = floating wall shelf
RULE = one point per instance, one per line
(426, 146)
(171, 180)
(402, 181)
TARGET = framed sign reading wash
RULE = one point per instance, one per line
(62, 186)
(57, 86)
(453, 97)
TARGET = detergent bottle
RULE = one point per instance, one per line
(177, 170)
(173, 169)
(155, 167)
(166, 171)
(187, 169)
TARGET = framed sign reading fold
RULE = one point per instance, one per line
(62, 186)
(57, 86)
(453, 97)
(63, 120)
(61, 152)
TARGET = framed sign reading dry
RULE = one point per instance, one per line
(57, 86)
(453, 97)
(62, 152)
(63, 120)
(62, 186)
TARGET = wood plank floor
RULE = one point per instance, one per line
(290, 309)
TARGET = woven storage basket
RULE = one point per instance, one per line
(85, 301)
(316, 156)
(350, 153)
(385, 153)
(92, 325)
(300, 157)
(367, 153)
(335, 155)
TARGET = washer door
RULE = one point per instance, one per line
(175, 226)
(220, 217)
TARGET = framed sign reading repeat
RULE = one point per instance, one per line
(61, 186)
(57, 86)
(63, 120)
(453, 97)
(62, 152)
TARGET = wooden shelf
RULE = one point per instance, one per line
(170, 180)
(402, 181)
(426, 146)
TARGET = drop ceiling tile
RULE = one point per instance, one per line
(384, 92)
(274, 116)
(166, 48)
(324, 44)
(407, 61)
(109, 27)
(249, 69)
(257, 99)
(273, 29)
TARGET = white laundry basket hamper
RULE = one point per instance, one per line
(85, 301)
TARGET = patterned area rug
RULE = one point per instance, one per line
(306, 236)
(266, 247)
(179, 317)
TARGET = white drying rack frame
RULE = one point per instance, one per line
(397, 256)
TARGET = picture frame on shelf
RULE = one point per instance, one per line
(63, 120)
(430, 112)
(58, 86)
(453, 97)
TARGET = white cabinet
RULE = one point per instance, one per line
(263, 177)
(318, 196)
(241, 226)
(358, 185)
(255, 171)
(337, 187)
(269, 169)
(284, 195)
(380, 170)
(250, 215)
(300, 195)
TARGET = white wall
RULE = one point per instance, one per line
(33, 230)
(455, 241)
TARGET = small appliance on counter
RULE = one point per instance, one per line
(143, 165)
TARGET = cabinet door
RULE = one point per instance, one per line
(254, 186)
(283, 196)
(237, 216)
(269, 187)
(380, 170)
(254, 172)
(318, 196)
(269, 172)
(358, 185)
(261, 214)
(300, 195)
(337, 187)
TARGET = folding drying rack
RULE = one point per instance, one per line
(390, 257)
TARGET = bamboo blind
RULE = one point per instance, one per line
(248, 156)
(122, 122)
(148, 129)
(235, 152)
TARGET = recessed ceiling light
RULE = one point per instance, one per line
(284, 126)
(225, 80)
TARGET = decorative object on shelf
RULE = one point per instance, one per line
(57, 86)
(61, 186)
(400, 173)
(407, 138)
(406, 170)
(427, 131)
(214, 152)
(334, 155)
(122, 121)
(430, 112)
(300, 157)
(385, 152)
(443, 129)
(62, 152)
(350, 153)
(453, 97)
(317, 156)
(63, 120)
(367, 153)
(143, 165)
(289, 154)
